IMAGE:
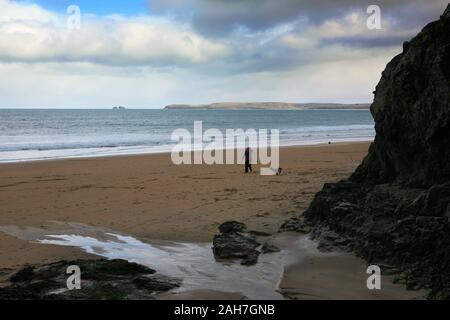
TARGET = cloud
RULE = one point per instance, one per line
(198, 51)
(12, 11)
(31, 34)
(351, 30)
(221, 17)
(290, 45)
(262, 35)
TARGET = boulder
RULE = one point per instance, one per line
(234, 241)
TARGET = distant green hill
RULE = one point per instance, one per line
(269, 105)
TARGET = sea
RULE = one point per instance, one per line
(42, 134)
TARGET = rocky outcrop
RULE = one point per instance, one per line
(395, 208)
(234, 241)
(100, 279)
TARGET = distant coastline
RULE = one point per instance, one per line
(269, 106)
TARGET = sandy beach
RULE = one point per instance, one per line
(149, 197)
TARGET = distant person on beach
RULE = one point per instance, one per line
(248, 164)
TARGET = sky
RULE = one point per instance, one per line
(151, 53)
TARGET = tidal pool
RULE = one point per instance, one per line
(192, 262)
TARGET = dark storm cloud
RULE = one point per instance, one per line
(220, 17)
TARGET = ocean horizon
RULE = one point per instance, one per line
(43, 134)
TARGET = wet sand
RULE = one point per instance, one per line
(338, 276)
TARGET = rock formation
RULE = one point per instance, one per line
(394, 209)
(100, 279)
(236, 242)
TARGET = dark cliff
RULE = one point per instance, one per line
(394, 210)
(411, 111)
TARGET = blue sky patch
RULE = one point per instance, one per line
(103, 7)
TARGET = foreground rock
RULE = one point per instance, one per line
(100, 279)
(236, 242)
(395, 208)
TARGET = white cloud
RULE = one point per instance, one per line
(31, 34)
(11, 11)
(347, 30)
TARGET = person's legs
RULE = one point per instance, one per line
(247, 167)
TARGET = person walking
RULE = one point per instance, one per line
(248, 163)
